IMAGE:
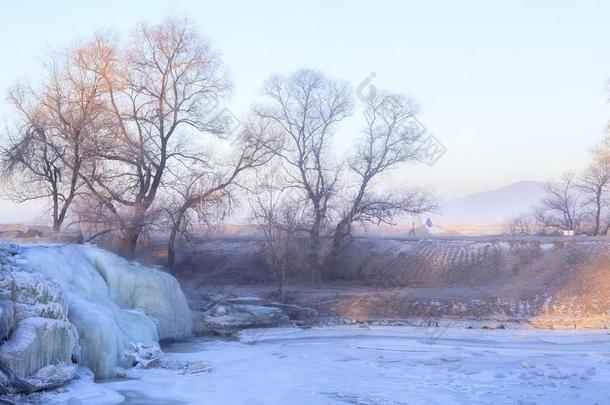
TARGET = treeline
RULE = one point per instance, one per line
(129, 136)
(577, 203)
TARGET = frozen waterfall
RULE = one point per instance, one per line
(113, 303)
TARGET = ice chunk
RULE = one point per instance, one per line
(38, 342)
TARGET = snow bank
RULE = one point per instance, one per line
(113, 303)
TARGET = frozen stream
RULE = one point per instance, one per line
(377, 365)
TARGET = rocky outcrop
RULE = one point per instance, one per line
(293, 312)
(141, 356)
(227, 316)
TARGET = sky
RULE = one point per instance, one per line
(514, 90)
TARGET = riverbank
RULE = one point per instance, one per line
(346, 303)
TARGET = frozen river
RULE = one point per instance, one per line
(376, 365)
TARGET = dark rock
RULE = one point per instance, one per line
(227, 316)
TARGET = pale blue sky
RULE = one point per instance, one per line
(515, 90)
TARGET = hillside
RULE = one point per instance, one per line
(494, 206)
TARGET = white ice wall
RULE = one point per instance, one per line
(112, 302)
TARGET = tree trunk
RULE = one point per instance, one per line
(314, 249)
(132, 232)
(171, 242)
(598, 213)
(597, 224)
(171, 249)
(342, 233)
(56, 220)
(129, 243)
(61, 217)
(340, 238)
(343, 229)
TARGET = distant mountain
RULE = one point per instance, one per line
(493, 207)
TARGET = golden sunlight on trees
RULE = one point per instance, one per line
(120, 137)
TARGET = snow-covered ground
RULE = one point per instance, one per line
(376, 365)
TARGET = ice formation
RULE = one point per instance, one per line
(113, 303)
(40, 343)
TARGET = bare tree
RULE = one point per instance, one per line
(30, 167)
(306, 107)
(521, 225)
(595, 186)
(57, 123)
(159, 89)
(208, 184)
(561, 209)
(390, 139)
(278, 220)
